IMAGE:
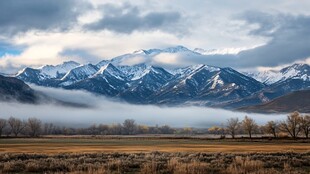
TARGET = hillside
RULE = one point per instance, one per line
(14, 89)
(295, 101)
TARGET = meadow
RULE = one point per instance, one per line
(151, 154)
(131, 144)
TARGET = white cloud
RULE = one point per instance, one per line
(166, 58)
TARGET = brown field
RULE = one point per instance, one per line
(153, 155)
(54, 145)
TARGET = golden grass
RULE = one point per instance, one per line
(58, 145)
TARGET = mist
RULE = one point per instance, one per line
(107, 111)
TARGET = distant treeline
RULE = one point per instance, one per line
(295, 125)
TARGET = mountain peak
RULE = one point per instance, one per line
(140, 52)
(81, 72)
(176, 49)
(296, 71)
(296, 66)
(110, 69)
(53, 71)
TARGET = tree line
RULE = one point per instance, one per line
(295, 125)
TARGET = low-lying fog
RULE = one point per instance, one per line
(106, 111)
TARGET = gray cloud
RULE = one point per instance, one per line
(81, 55)
(289, 41)
(20, 16)
(128, 18)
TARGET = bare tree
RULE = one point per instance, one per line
(129, 127)
(166, 129)
(232, 126)
(103, 129)
(115, 129)
(2, 125)
(272, 127)
(16, 125)
(249, 125)
(35, 126)
(216, 130)
(93, 129)
(305, 125)
(292, 125)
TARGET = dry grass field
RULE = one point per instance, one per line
(153, 155)
(142, 144)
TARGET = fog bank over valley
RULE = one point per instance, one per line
(107, 111)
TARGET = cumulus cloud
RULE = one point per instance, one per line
(128, 18)
(108, 111)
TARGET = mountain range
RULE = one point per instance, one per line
(140, 82)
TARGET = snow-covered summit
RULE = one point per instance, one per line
(52, 71)
(295, 71)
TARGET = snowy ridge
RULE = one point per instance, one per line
(133, 72)
(295, 71)
(111, 70)
(79, 73)
(53, 71)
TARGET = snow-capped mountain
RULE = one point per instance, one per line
(133, 72)
(79, 73)
(146, 84)
(207, 85)
(52, 71)
(295, 71)
(41, 75)
(289, 79)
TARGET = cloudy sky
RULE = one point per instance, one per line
(254, 34)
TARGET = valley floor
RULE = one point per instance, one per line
(133, 144)
(153, 155)
(150, 156)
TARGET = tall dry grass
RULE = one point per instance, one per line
(157, 163)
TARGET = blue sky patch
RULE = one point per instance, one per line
(6, 48)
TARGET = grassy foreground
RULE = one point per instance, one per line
(153, 155)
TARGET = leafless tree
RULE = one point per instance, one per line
(103, 129)
(2, 125)
(129, 126)
(305, 125)
(94, 129)
(115, 129)
(216, 130)
(249, 125)
(35, 126)
(292, 125)
(232, 126)
(272, 127)
(166, 129)
(16, 125)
